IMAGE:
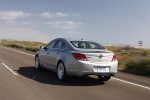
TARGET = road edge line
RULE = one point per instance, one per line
(9, 69)
(131, 83)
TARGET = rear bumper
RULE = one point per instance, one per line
(86, 68)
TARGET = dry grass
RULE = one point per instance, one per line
(25, 45)
(132, 60)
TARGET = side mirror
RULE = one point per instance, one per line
(42, 47)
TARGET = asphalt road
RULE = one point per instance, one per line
(20, 81)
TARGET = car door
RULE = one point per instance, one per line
(47, 56)
(56, 53)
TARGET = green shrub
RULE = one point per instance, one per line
(140, 67)
(14, 46)
(131, 64)
(32, 49)
(127, 47)
(25, 45)
(145, 53)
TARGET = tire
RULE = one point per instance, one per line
(104, 78)
(61, 72)
(37, 63)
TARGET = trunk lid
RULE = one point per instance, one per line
(98, 56)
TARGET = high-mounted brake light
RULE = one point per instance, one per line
(114, 58)
(80, 56)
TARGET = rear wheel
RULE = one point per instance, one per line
(37, 63)
(61, 72)
(104, 78)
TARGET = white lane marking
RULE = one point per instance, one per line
(19, 51)
(9, 69)
(131, 83)
(112, 77)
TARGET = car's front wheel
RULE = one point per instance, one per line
(37, 63)
(61, 72)
(104, 78)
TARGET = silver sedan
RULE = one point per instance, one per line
(77, 57)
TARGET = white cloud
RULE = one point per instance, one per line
(58, 14)
(19, 33)
(10, 22)
(53, 14)
(26, 23)
(12, 15)
(64, 25)
(76, 15)
(15, 30)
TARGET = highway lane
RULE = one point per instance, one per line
(30, 84)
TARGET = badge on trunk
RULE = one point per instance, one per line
(100, 56)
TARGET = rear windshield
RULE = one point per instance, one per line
(87, 45)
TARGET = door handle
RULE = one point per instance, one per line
(48, 52)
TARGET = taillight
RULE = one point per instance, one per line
(80, 56)
(114, 58)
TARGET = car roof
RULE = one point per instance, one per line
(75, 39)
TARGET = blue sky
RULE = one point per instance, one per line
(105, 21)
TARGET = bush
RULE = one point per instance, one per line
(14, 46)
(32, 49)
(145, 53)
(140, 67)
(127, 47)
(131, 64)
(25, 45)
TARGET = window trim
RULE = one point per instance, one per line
(102, 47)
(61, 47)
(50, 43)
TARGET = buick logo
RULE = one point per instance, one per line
(100, 56)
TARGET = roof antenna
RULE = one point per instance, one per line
(82, 39)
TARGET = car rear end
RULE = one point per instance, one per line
(96, 63)
(89, 61)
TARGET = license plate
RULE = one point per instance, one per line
(103, 69)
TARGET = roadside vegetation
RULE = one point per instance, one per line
(131, 60)
(25, 45)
